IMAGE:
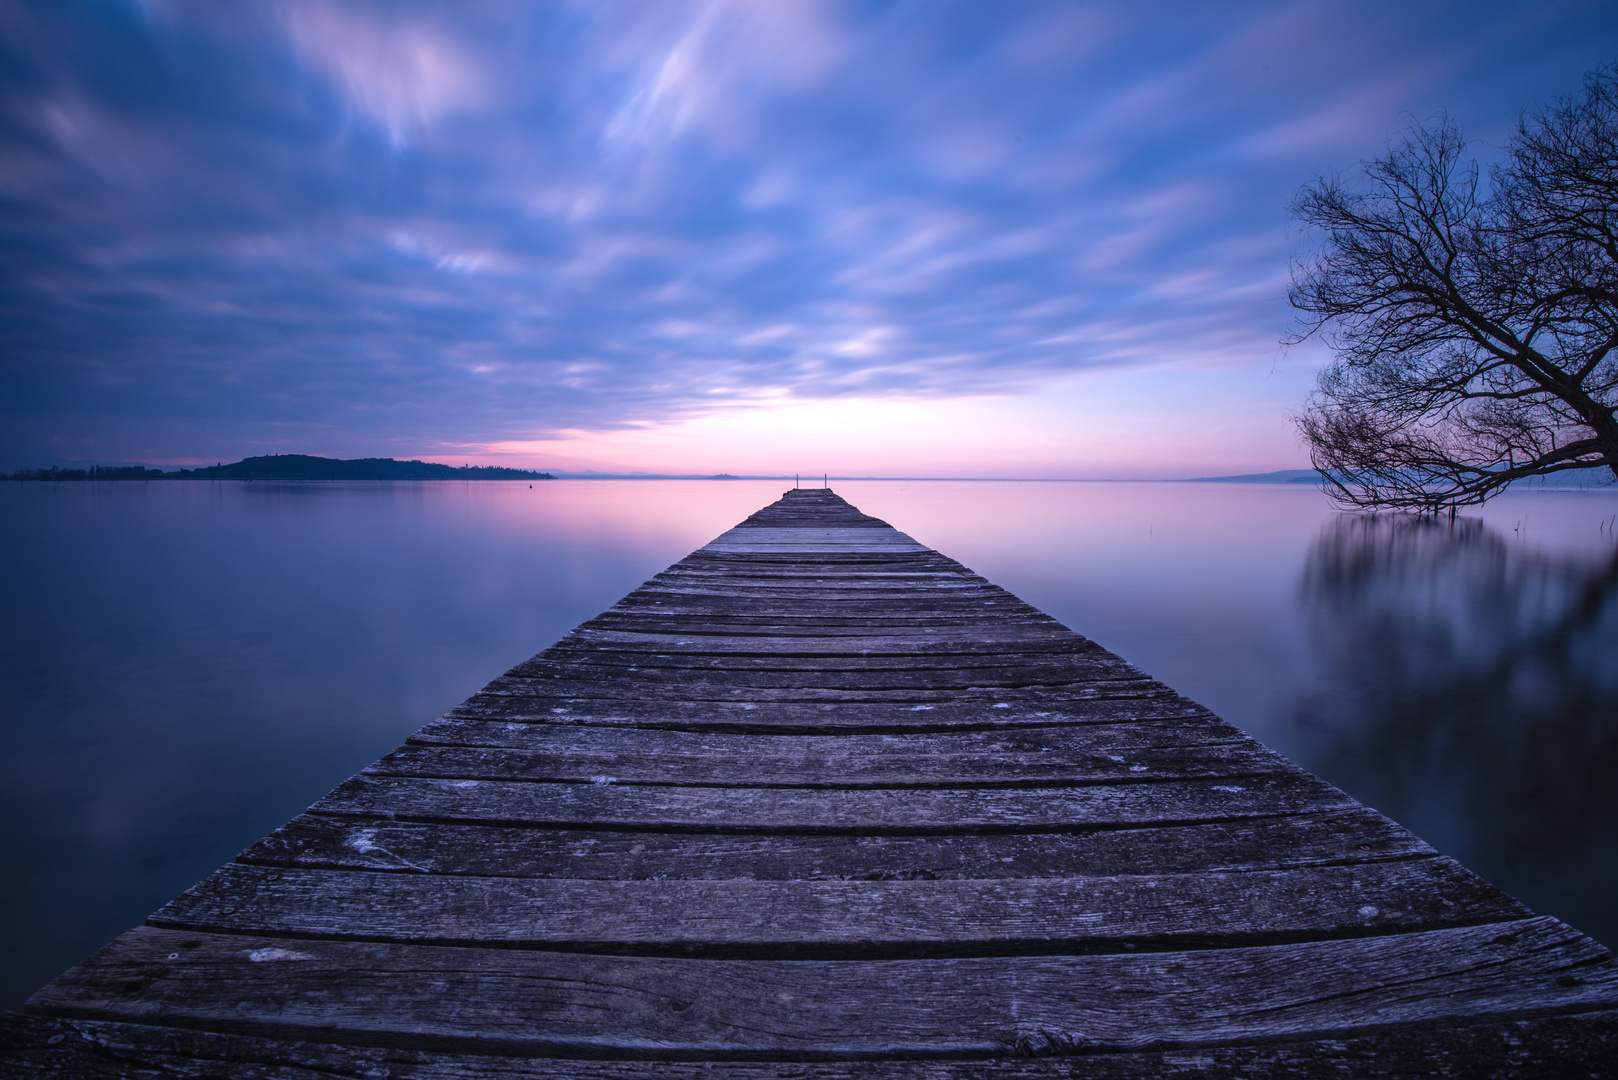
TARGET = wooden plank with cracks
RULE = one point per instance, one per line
(449, 998)
(1338, 837)
(1551, 1047)
(606, 803)
(518, 701)
(843, 919)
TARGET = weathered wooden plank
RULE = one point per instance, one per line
(1338, 837)
(925, 604)
(813, 554)
(819, 537)
(964, 596)
(519, 1001)
(1075, 695)
(948, 590)
(787, 577)
(1007, 641)
(916, 611)
(859, 559)
(1065, 664)
(519, 701)
(1051, 741)
(762, 548)
(579, 755)
(800, 568)
(742, 628)
(836, 577)
(827, 564)
(608, 804)
(924, 601)
(900, 569)
(841, 919)
(903, 618)
(1539, 1047)
(790, 673)
(643, 679)
(718, 596)
(658, 692)
(741, 770)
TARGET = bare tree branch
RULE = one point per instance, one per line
(1474, 326)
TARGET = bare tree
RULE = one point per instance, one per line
(1473, 324)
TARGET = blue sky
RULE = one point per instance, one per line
(920, 238)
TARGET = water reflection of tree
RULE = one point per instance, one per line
(1471, 691)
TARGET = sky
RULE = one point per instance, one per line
(917, 238)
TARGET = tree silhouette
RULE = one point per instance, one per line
(1473, 323)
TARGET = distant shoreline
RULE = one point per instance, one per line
(291, 467)
(308, 469)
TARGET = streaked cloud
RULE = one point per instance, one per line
(362, 227)
(404, 75)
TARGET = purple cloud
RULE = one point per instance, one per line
(355, 227)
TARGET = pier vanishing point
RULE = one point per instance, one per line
(818, 801)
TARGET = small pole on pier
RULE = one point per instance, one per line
(794, 481)
(823, 481)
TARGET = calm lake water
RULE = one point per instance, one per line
(185, 665)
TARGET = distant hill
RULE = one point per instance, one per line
(1600, 477)
(1284, 476)
(306, 467)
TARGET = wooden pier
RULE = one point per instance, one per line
(818, 801)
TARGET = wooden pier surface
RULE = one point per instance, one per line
(818, 801)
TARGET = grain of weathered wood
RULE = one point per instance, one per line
(785, 599)
(839, 919)
(1022, 756)
(448, 998)
(652, 693)
(907, 576)
(1345, 836)
(720, 634)
(639, 675)
(928, 595)
(743, 771)
(1538, 1048)
(922, 609)
(607, 804)
(789, 601)
(959, 643)
(832, 655)
(1052, 665)
(999, 744)
(523, 700)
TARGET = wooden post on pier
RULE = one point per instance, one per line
(818, 794)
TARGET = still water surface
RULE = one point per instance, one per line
(185, 665)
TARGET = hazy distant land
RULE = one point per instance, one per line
(309, 467)
(293, 467)
(1284, 476)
